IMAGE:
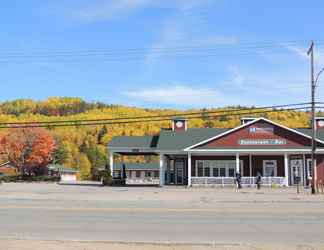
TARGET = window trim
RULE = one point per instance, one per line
(274, 166)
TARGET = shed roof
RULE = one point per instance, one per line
(147, 142)
(61, 168)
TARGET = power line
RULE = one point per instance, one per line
(158, 116)
(137, 54)
(148, 121)
(158, 49)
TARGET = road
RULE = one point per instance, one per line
(169, 215)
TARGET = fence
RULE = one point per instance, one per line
(230, 181)
(142, 181)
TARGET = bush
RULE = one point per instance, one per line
(42, 178)
(106, 177)
(9, 178)
(16, 178)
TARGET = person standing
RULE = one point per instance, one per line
(258, 180)
(238, 180)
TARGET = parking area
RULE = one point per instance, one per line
(174, 217)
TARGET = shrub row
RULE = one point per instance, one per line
(19, 178)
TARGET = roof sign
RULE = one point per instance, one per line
(261, 130)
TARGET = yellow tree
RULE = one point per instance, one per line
(84, 166)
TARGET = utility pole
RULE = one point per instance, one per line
(313, 144)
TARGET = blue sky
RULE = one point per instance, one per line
(161, 53)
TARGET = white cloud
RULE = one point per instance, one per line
(267, 84)
(105, 10)
(108, 10)
(177, 33)
(179, 95)
(302, 52)
(188, 4)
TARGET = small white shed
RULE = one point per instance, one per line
(65, 174)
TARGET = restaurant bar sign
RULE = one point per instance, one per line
(262, 142)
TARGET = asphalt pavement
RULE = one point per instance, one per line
(160, 215)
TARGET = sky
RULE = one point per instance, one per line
(161, 53)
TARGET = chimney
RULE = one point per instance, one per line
(319, 122)
(179, 124)
(245, 120)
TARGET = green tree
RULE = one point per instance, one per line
(61, 152)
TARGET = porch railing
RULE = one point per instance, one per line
(228, 181)
(142, 181)
(212, 181)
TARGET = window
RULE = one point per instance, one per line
(222, 172)
(200, 171)
(215, 172)
(200, 168)
(156, 174)
(231, 172)
(148, 174)
(207, 172)
(268, 171)
(269, 168)
(217, 168)
(138, 174)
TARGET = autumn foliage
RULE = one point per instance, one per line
(28, 149)
(84, 148)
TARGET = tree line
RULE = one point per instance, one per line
(85, 147)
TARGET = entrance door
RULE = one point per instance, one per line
(296, 170)
(179, 172)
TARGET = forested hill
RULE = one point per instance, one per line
(53, 106)
(84, 147)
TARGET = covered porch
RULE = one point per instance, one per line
(145, 172)
(276, 168)
(203, 169)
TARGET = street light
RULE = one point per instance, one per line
(313, 87)
(317, 76)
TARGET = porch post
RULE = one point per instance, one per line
(286, 182)
(189, 170)
(305, 171)
(250, 164)
(161, 170)
(237, 163)
(111, 163)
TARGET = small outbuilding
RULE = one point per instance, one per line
(65, 174)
